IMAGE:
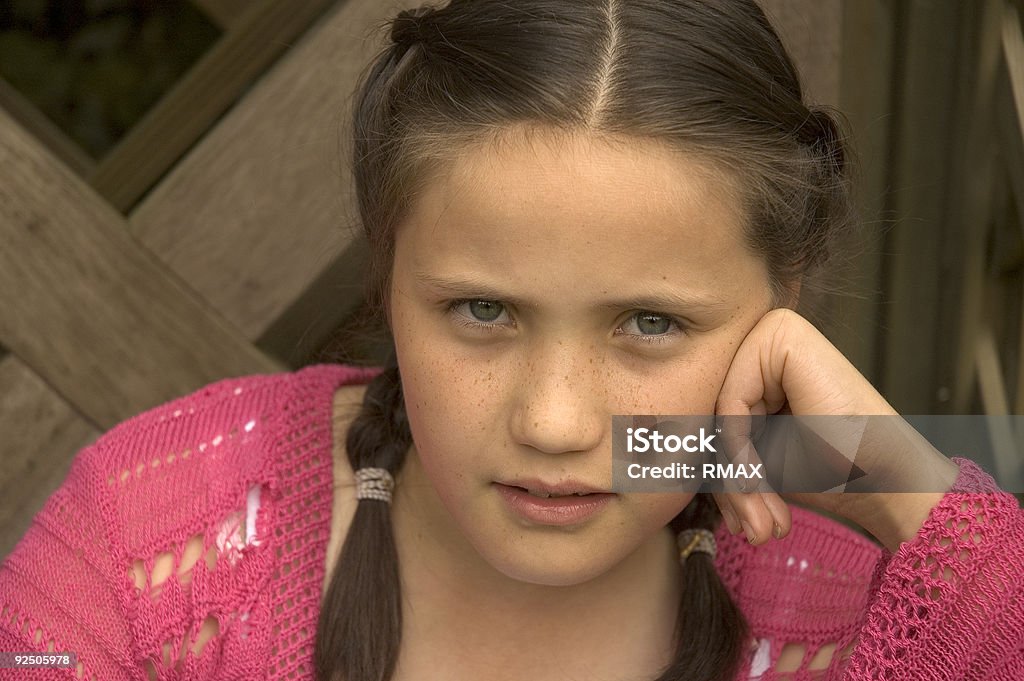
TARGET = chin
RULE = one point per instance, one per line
(548, 563)
(547, 574)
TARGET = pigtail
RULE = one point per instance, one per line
(711, 631)
(360, 625)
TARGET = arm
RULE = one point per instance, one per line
(950, 602)
(138, 563)
(945, 605)
(946, 599)
(61, 590)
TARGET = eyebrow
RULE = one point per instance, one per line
(667, 300)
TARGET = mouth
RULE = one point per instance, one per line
(543, 490)
(566, 504)
(547, 495)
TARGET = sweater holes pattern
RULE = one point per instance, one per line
(802, 660)
(235, 532)
(51, 646)
(798, 661)
(169, 575)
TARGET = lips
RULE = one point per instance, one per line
(544, 490)
(538, 503)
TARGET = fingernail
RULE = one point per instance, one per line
(731, 521)
(776, 530)
(749, 531)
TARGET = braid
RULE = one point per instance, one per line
(360, 625)
(710, 629)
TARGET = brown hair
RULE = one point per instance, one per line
(706, 77)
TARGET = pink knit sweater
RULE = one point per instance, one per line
(215, 508)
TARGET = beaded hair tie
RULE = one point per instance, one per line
(695, 540)
(374, 483)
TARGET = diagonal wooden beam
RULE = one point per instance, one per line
(87, 307)
(181, 117)
(34, 120)
(259, 217)
(41, 434)
(224, 13)
(1006, 442)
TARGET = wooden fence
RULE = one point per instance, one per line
(217, 239)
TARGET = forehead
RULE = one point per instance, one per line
(580, 204)
(524, 168)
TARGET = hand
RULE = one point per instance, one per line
(786, 365)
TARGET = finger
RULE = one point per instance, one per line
(753, 384)
(754, 517)
(779, 509)
(728, 513)
(738, 449)
(761, 516)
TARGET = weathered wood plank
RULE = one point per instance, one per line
(224, 13)
(1005, 444)
(1010, 102)
(865, 96)
(41, 434)
(88, 308)
(34, 120)
(242, 54)
(305, 326)
(1019, 398)
(925, 115)
(260, 217)
(971, 215)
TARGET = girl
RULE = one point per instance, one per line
(574, 210)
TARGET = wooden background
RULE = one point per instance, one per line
(218, 238)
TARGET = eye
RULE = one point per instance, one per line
(484, 310)
(476, 313)
(652, 327)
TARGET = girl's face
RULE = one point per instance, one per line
(538, 289)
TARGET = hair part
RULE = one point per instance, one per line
(707, 79)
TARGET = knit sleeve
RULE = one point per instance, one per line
(187, 542)
(141, 557)
(950, 603)
(61, 588)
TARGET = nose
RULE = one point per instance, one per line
(560, 404)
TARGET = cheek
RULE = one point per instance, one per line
(687, 385)
(449, 403)
(659, 509)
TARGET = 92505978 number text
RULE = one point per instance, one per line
(29, 660)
